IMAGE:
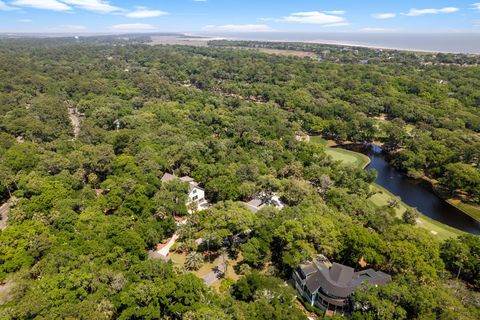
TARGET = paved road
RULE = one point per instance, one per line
(4, 215)
(166, 249)
(215, 274)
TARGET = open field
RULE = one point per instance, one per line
(179, 41)
(288, 53)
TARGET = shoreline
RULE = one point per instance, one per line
(437, 229)
(425, 221)
(453, 202)
(344, 43)
(380, 47)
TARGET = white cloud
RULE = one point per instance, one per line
(24, 20)
(100, 6)
(476, 6)
(145, 13)
(6, 7)
(132, 27)
(313, 17)
(53, 5)
(239, 28)
(336, 12)
(340, 24)
(418, 12)
(386, 15)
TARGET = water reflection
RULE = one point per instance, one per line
(417, 193)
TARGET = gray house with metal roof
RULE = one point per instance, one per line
(329, 286)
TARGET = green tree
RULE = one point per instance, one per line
(410, 216)
(194, 261)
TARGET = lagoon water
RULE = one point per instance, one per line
(418, 195)
(453, 42)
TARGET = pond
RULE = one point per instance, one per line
(416, 193)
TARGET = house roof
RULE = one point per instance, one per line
(187, 179)
(339, 280)
(256, 202)
(167, 177)
(341, 274)
(252, 208)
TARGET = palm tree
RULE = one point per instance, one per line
(225, 261)
(194, 261)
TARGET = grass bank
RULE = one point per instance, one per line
(469, 209)
(442, 231)
(382, 195)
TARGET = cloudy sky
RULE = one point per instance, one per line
(212, 16)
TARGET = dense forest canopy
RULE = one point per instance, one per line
(85, 208)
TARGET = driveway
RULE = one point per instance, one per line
(215, 274)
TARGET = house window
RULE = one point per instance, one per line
(194, 191)
(195, 198)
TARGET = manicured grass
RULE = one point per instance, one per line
(348, 157)
(442, 231)
(470, 209)
(382, 197)
(318, 139)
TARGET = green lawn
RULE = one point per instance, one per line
(348, 157)
(472, 210)
(382, 197)
(207, 267)
(318, 139)
(439, 229)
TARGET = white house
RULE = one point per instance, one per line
(196, 195)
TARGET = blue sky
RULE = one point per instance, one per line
(87, 16)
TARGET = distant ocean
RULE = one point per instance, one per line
(434, 42)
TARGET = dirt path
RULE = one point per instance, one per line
(5, 290)
(4, 215)
(75, 118)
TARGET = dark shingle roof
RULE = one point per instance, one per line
(339, 280)
(341, 274)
